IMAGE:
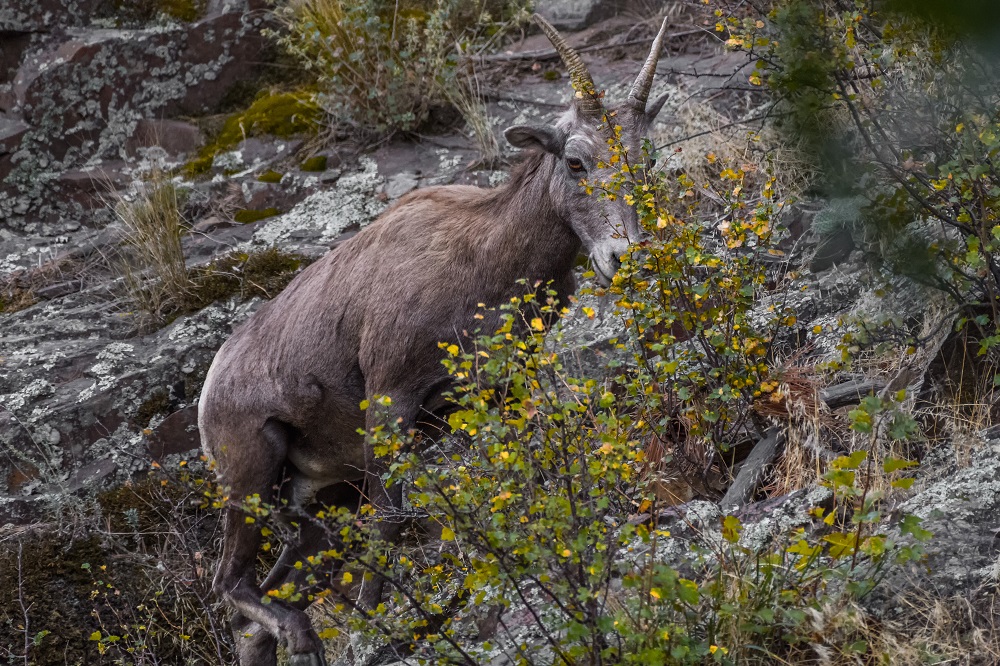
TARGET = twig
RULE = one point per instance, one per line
(20, 601)
(752, 472)
(850, 392)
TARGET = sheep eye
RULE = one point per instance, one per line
(575, 165)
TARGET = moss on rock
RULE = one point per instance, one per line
(316, 163)
(270, 176)
(248, 215)
(245, 274)
(156, 404)
(145, 11)
(278, 114)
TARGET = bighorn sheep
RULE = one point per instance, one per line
(281, 400)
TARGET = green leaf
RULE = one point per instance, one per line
(910, 524)
(687, 590)
(731, 528)
(891, 465)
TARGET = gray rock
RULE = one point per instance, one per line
(176, 137)
(83, 99)
(45, 15)
(832, 250)
(577, 14)
(399, 184)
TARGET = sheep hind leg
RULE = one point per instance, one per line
(312, 537)
(258, 626)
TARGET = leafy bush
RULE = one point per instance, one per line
(536, 499)
(383, 65)
(542, 512)
(910, 92)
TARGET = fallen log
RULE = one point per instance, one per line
(751, 474)
(850, 392)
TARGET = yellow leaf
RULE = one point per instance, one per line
(655, 593)
(328, 633)
(447, 534)
(347, 578)
(537, 324)
(453, 350)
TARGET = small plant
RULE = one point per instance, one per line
(384, 65)
(464, 94)
(151, 261)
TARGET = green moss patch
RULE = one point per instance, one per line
(281, 115)
(262, 274)
(248, 215)
(157, 403)
(270, 176)
(144, 11)
(317, 163)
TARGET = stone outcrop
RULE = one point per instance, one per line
(83, 94)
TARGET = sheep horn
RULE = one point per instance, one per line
(589, 104)
(640, 89)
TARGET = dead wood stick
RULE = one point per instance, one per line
(850, 392)
(751, 474)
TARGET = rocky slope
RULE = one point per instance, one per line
(89, 100)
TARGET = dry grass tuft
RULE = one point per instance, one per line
(463, 92)
(151, 260)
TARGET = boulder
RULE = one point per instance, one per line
(83, 98)
(578, 14)
(178, 433)
(176, 137)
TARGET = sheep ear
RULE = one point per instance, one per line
(655, 107)
(536, 137)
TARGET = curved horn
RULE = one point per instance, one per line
(583, 82)
(640, 89)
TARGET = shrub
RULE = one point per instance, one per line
(898, 104)
(536, 502)
(134, 588)
(383, 65)
(538, 493)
